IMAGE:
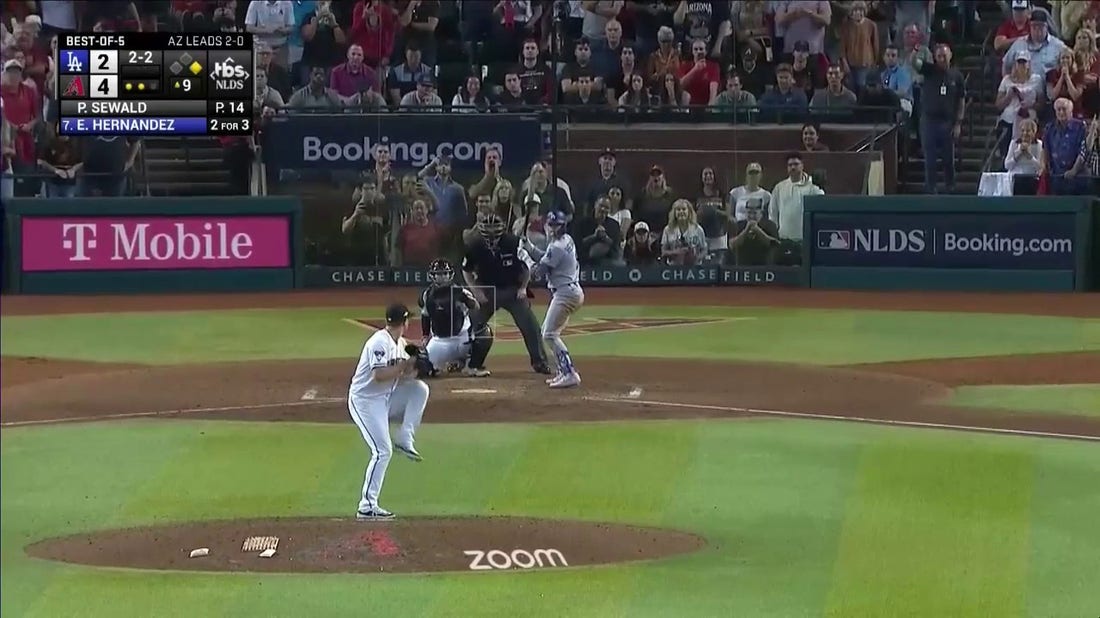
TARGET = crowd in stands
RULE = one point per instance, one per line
(1049, 97)
(755, 59)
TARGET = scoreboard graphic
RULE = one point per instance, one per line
(155, 84)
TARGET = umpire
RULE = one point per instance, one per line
(493, 260)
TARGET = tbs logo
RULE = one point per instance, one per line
(229, 75)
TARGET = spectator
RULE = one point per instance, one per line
(749, 22)
(653, 203)
(1088, 160)
(424, 97)
(784, 97)
(21, 110)
(534, 77)
(61, 159)
(1070, 16)
(700, 20)
(418, 20)
(449, 196)
(530, 223)
(107, 161)
(897, 78)
(1088, 60)
(916, 13)
(111, 16)
(641, 247)
(835, 95)
(916, 54)
(1015, 27)
(805, 20)
(756, 237)
(1068, 80)
(504, 202)
(670, 95)
(734, 97)
(607, 53)
(585, 98)
(599, 236)
(364, 227)
(1043, 47)
(270, 21)
(739, 197)
(666, 58)
(811, 141)
(513, 20)
(755, 77)
(683, 242)
(374, 28)
(608, 177)
(620, 207)
(582, 65)
(470, 98)
(596, 15)
(1063, 140)
(277, 76)
(875, 95)
(711, 214)
(619, 81)
(786, 204)
(316, 95)
(700, 78)
(323, 40)
(1017, 98)
(491, 177)
(512, 95)
(943, 103)
(859, 45)
(295, 44)
(807, 76)
(267, 98)
(420, 239)
(7, 155)
(1024, 160)
(351, 77)
(405, 77)
(551, 197)
(36, 58)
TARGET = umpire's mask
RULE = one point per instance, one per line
(491, 227)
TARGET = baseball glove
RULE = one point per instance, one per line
(424, 368)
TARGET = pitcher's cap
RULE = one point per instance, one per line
(397, 314)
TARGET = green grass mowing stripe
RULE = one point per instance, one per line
(1065, 547)
(1077, 399)
(937, 526)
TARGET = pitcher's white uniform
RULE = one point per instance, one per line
(372, 403)
(559, 261)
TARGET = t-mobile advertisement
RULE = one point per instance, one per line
(989, 240)
(155, 243)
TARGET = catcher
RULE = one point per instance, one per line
(452, 341)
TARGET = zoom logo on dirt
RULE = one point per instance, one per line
(995, 243)
(418, 154)
(496, 559)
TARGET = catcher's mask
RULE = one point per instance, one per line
(491, 227)
(555, 223)
(440, 272)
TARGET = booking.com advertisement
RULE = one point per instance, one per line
(1003, 241)
(57, 244)
(344, 142)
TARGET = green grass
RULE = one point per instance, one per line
(1072, 399)
(780, 335)
(803, 518)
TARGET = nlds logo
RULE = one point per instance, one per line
(229, 75)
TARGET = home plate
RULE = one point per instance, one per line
(474, 391)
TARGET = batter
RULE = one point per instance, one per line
(385, 387)
(562, 269)
(445, 322)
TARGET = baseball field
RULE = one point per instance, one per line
(731, 452)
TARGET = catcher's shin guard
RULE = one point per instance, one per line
(480, 344)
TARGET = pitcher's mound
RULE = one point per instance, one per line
(406, 545)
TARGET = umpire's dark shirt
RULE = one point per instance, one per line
(942, 94)
(502, 268)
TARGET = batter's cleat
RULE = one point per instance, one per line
(376, 514)
(542, 368)
(568, 380)
(554, 378)
(408, 451)
(476, 372)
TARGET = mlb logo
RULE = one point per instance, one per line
(840, 240)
